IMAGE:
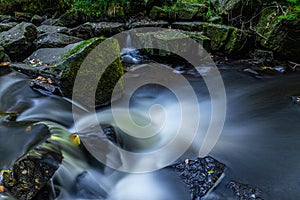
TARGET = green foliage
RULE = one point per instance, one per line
(96, 8)
(291, 11)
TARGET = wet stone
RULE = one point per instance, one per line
(244, 191)
(45, 86)
(295, 99)
(200, 175)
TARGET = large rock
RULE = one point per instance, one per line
(227, 39)
(51, 29)
(279, 35)
(167, 41)
(62, 64)
(32, 171)
(89, 29)
(52, 40)
(18, 41)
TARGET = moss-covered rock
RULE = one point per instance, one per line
(62, 64)
(279, 35)
(18, 41)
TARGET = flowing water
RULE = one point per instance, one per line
(260, 142)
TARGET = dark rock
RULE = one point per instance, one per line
(244, 191)
(31, 172)
(53, 40)
(51, 29)
(37, 20)
(200, 175)
(6, 26)
(45, 86)
(18, 41)
(84, 31)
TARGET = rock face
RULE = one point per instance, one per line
(52, 40)
(62, 65)
(18, 41)
(279, 35)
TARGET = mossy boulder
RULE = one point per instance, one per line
(168, 41)
(18, 41)
(225, 39)
(62, 65)
(279, 35)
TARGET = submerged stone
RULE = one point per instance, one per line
(200, 175)
(245, 191)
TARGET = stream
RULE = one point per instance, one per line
(259, 144)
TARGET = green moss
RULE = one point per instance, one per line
(218, 35)
(73, 61)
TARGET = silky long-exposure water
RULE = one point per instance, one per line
(259, 143)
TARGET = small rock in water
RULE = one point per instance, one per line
(45, 86)
(295, 99)
(244, 191)
(199, 175)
